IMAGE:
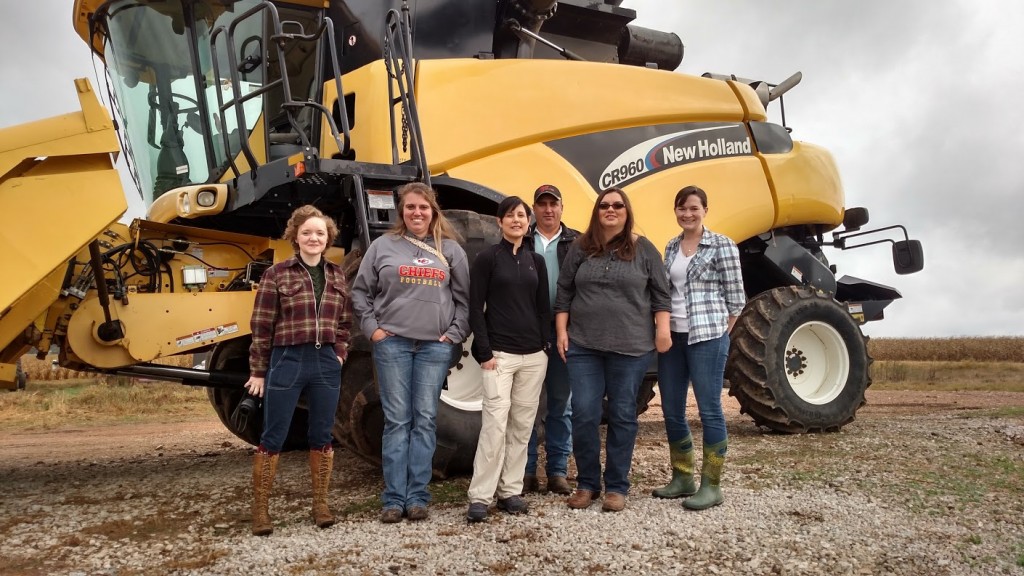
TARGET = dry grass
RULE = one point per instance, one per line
(76, 402)
(948, 376)
(989, 349)
(57, 396)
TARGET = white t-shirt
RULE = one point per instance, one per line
(677, 274)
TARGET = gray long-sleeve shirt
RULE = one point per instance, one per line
(405, 290)
(611, 302)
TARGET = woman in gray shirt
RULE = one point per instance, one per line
(611, 312)
(412, 299)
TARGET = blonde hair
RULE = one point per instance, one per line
(440, 228)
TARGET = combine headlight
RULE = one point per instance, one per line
(206, 198)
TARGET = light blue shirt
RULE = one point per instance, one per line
(549, 250)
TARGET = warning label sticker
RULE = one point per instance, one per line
(206, 335)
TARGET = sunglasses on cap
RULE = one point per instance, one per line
(615, 205)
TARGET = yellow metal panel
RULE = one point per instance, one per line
(518, 102)
(58, 189)
(158, 325)
(371, 132)
(171, 204)
(8, 375)
(741, 203)
(739, 200)
(753, 110)
(29, 307)
(807, 186)
(45, 219)
(501, 172)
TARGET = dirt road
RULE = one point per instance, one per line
(945, 470)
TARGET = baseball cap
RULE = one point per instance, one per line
(547, 189)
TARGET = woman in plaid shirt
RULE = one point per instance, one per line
(300, 334)
(707, 298)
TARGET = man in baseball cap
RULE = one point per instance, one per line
(548, 190)
(551, 239)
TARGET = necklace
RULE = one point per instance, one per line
(688, 251)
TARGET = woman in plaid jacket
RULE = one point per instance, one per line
(300, 333)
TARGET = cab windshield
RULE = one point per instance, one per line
(160, 60)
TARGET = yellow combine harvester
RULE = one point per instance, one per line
(233, 112)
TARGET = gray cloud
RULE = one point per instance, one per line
(917, 101)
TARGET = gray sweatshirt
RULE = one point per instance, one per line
(407, 291)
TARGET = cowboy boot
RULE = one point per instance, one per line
(682, 484)
(321, 462)
(710, 493)
(264, 467)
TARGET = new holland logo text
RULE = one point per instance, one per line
(672, 149)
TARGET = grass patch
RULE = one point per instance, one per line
(948, 376)
(51, 404)
(451, 491)
(360, 507)
(1004, 412)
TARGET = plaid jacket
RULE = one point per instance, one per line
(285, 312)
(714, 284)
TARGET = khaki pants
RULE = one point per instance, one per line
(511, 394)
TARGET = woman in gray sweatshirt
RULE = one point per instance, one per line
(411, 297)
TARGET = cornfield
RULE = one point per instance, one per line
(980, 349)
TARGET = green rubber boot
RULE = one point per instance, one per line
(682, 484)
(710, 493)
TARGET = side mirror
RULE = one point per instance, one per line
(854, 218)
(908, 256)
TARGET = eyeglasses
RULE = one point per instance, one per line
(615, 205)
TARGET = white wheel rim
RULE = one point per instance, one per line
(465, 383)
(817, 362)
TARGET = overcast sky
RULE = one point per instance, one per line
(919, 101)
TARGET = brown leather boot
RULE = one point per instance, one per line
(581, 499)
(264, 467)
(321, 462)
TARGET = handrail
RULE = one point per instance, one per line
(279, 38)
(399, 63)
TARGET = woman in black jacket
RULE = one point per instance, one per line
(510, 313)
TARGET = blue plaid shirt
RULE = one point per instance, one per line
(714, 285)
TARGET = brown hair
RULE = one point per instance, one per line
(592, 241)
(685, 193)
(440, 228)
(300, 216)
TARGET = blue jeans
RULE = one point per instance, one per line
(410, 374)
(557, 419)
(703, 364)
(294, 369)
(594, 374)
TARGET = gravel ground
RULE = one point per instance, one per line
(919, 484)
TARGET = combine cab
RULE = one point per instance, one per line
(232, 113)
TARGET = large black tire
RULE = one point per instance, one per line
(234, 356)
(798, 361)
